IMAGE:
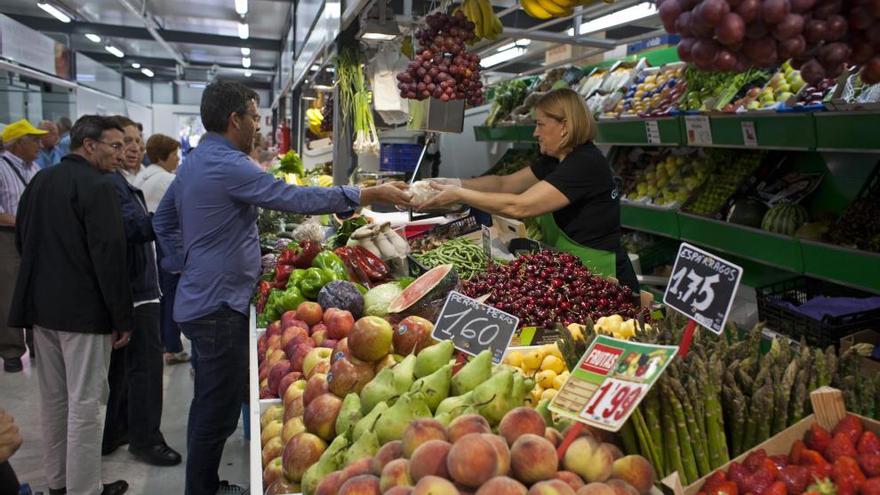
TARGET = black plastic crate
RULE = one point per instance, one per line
(823, 333)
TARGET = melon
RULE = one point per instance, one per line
(784, 218)
(749, 212)
(421, 295)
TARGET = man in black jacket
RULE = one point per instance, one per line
(71, 290)
(134, 408)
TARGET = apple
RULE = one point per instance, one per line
(294, 390)
(275, 356)
(316, 386)
(277, 372)
(292, 427)
(274, 328)
(329, 344)
(314, 356)
(299, 356)
(289, 333)
(340, 351)
(298, 340)
(273, 342)
(310, 312)
(272, 449)
(323, 367)
(287, 319)
(264, 371)
(273, 472)
(271, 413)
(262, 345)
(349, 375)
(339, 323)
(272, 430)
(319, 333)
(287, 381)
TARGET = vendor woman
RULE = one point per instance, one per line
(571, 189)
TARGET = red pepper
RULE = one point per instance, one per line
(282, 274)
(300, 256)
(355, 273)
(265, 287)
(286, 257)
(375, 268)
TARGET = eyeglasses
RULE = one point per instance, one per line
(115, 146)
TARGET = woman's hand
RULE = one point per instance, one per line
(446, 194)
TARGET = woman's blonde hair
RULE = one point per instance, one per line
(566, 106)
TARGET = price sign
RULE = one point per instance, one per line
(750, 137)
(699, 131)
(652, 131)
(610, 381)
(473, 326)
(702, 287)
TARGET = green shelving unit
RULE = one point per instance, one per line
(647, 218)
(784, 131)
(635, 131)
(512, 133)
(849, 131)
(840, 264)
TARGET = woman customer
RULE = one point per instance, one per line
(570, 189)
(163, 153)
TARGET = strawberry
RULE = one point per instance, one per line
(871, 487)
(771, 467)
(754, 460)
(841, 446)
(724, 488)
(819, 472)
(846, 471)
(777, 488)
(714, 480)
(810, 457)
(870, 464)
(817, 438)
(822, 486)
(851, 426)
(796, 478)
(869, 443)
(780, 461)
(759, 481)
(845, 487)
(797, 449)
(737, 473)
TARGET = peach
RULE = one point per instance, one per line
(502, 485)
(290, 333)
(621, 487)
(286, 381)
(271, 413)
(589, 459)
(395, 473)
(272, 449)
(294, 390)
(465, 424)
(399, 490)
(330, 484)
(472, 460)
(616, 453)
(320, 415)
(573, 480)
(357, 468)
(553, 436)
(297, 361)
(309, 312)
(434, 485)
(339, 323)
(292, 427)
(387, 453)
(533, 459)
(295, 409)
(430, 459)
(274, 328)
(316, 386)
(596, 488)
(518, 422)
(273, 429)
(272, 472)
(349, 375)
(420, 431)
(503, 452)
(551, 487)
(364, 484)
(635, 470)
(300, 453)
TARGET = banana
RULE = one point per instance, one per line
(552, 8)
(489, 19)
(535, 10)
(477, 18)
(497, 27)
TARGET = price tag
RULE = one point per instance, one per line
(486, 235)
(652, 131)
(473, 326)
(610, 381)
(699, 131)
(702, 287)
(750, 137)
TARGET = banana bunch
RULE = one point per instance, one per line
(315, 118)
(480, 12)
(547, 9)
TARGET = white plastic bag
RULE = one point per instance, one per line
(383, 70)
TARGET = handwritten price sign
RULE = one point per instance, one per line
(473, 326)
(614, 401)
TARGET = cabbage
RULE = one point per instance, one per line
(377, 299)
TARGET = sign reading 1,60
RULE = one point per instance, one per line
(484, 337)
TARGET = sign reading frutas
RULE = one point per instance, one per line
(473, 326)
(610, 381)
(702, 287)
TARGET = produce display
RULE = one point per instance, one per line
(664, 178)
(654, 92)
(713, 90)
(858, 91)
(468, 258)
(487, 25)
(816, 94)
(784, 218)
(384, 243)
(731, 168)
(546, 365)
(604, 89)
(781, 88)
(355, 99)
(443, 68)
(859, 225)
(437, 236)
(508, 95)
(548, 9)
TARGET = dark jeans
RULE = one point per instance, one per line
(136, 374)
(170, 329)
(220, 341)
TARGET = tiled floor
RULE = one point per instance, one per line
(18, 395)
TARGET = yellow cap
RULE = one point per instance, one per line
(18, 129)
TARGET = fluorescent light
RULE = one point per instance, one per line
(135, 65)
(308, 98)
(322, 87)
(314, 68)
(519, 42)
(241, 7)
(115, 51)
(245, 51)
(94, 38)
(248, 73)
(246, 62)
(54, 12)
(501, 57)
(378, 37)
(621, 17)
(147, 72)
(244, 31)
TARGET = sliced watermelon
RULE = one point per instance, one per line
(432, 285)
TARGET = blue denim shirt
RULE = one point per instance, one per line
(206, 222)
(47, 158)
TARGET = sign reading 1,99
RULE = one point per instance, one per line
(473, 326)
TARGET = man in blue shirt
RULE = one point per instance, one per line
(50, 152)
(207, 222)
(64, 126)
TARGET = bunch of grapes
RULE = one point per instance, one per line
(443, 68)
(820, 36)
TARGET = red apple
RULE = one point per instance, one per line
(274, 328)
(299, 356)
(289, 333)
(277, 372)
(339, 323)
(313, 357)
(329, 344)
(273, 342)
(340, 351)
(297, 341)
(316, 386)
(273, 472)
(286, 381)
(288, 318)
(349, 375)
(319, 336)
(412, 334)
(309, 312)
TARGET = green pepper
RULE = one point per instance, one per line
(313, 280)
(360, 288)
(273, 308)
(291, 299)
(295, 277)
(328, 260)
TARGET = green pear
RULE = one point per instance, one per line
(349, 414)
(452, 404)
(392, 422)
(369, 421)
(495, 396)
(543, 408)
(433, 358)
(381, 388)
(330, 460)
(445, 418)
(522, 385)
(364, 447)
(404, 374)
(477, 371)
(435, 386)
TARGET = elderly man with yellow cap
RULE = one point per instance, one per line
(21, 147)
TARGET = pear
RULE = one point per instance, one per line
(543, 408)
(404, 374)
(330, 460)
(349, 414)
(379, 389)
(453, 404)
(522, 385)
(495, 396)
(392, 422)
(433, 358)
(364, 447)
(435, 386)
(445, 418)
(472, 374)
(369, 421)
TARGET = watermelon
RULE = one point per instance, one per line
(784, 218)
(421, 295)
(748, 212)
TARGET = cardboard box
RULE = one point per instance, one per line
(870, 366)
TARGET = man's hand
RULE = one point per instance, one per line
(446, 194)
(10, 439)
(120, 339)
(396, 193)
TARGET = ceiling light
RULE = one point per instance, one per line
(519, 42)
(94, 38)
(241, 7)
(245, 51)
(147, 72)
(54, 12)
(308, 98)
(135, 65)
(621, 17)
(244, 31)
(246, 62)
(501, 57)
(115, 51)
(248, 73)
(374, 30)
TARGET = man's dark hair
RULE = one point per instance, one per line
(91, 127)
(222, 98)
(140, 126)
(64, 125)
(125, 121)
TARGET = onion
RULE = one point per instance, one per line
(791, 26)
(703, 53)
(748, 10)
(825, 10)
(774, 11)
(699, 28)
(812, 72)
(871, 72)
(731, 30)
(725, 60)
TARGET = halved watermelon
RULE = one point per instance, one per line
(432, 285)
